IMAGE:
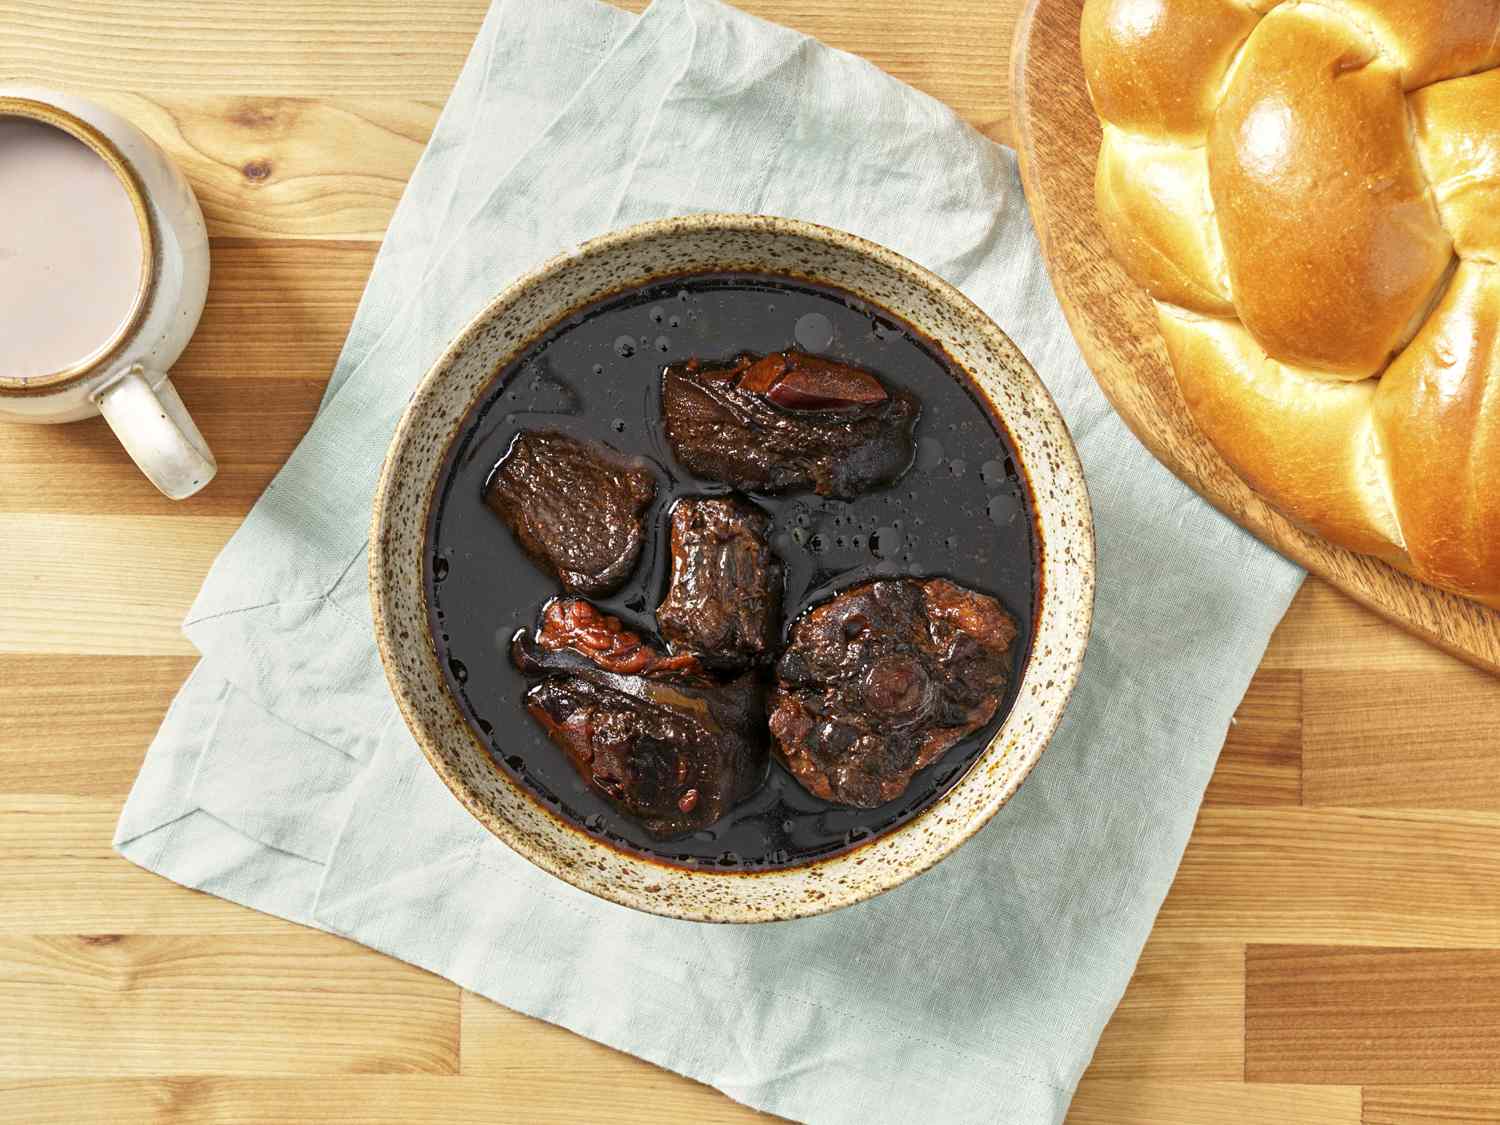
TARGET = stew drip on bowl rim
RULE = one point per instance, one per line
(961, 511)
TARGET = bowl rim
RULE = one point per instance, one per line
(836, 896)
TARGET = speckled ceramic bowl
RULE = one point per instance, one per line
(627, 259)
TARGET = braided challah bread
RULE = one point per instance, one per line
(1310, 191)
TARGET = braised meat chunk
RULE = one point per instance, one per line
(788, 421)
(663, 743)
(575, 507)
(879, 681)
(574, 625)
(724, 602)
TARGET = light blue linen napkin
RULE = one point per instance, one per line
(283, 778)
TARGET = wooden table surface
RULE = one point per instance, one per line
(1330, 952)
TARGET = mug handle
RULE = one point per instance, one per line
(156, 430)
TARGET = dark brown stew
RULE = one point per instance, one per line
(962, 511)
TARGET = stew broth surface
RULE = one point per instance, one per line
(962, 511)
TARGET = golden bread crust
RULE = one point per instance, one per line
(1438, 413)
(1333, 243)
(1458, 139)
(1310, 191)
(1156, 213)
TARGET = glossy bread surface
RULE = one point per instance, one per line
(1310, 191)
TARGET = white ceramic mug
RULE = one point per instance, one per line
(125, 378)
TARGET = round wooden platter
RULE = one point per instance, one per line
(1057, 136)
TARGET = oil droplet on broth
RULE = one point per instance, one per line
(886, 543)
(625, 347)
(992, 472)
(814, 332)
(1003, 508)
(439, 568)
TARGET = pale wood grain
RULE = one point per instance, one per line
(103, 584)
(252, 376)
(1115, 324)
(1182, 1018)
(1428, 1105)
(552, 1098)
(382, 1099)
(551, 1063)
(1261, 763)
(1326, 630)
(298, 123)
(1324, 876)
(59, 875)
(277, 309)
(1114, 1102)
(79, 726)
(336, 49)
(1341, 1016)
(252, 425)
(1431, 740)
(176, 1004)
(289, 167)
(326, 48)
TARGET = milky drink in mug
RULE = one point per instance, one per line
(103, 273)
(71, 255)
